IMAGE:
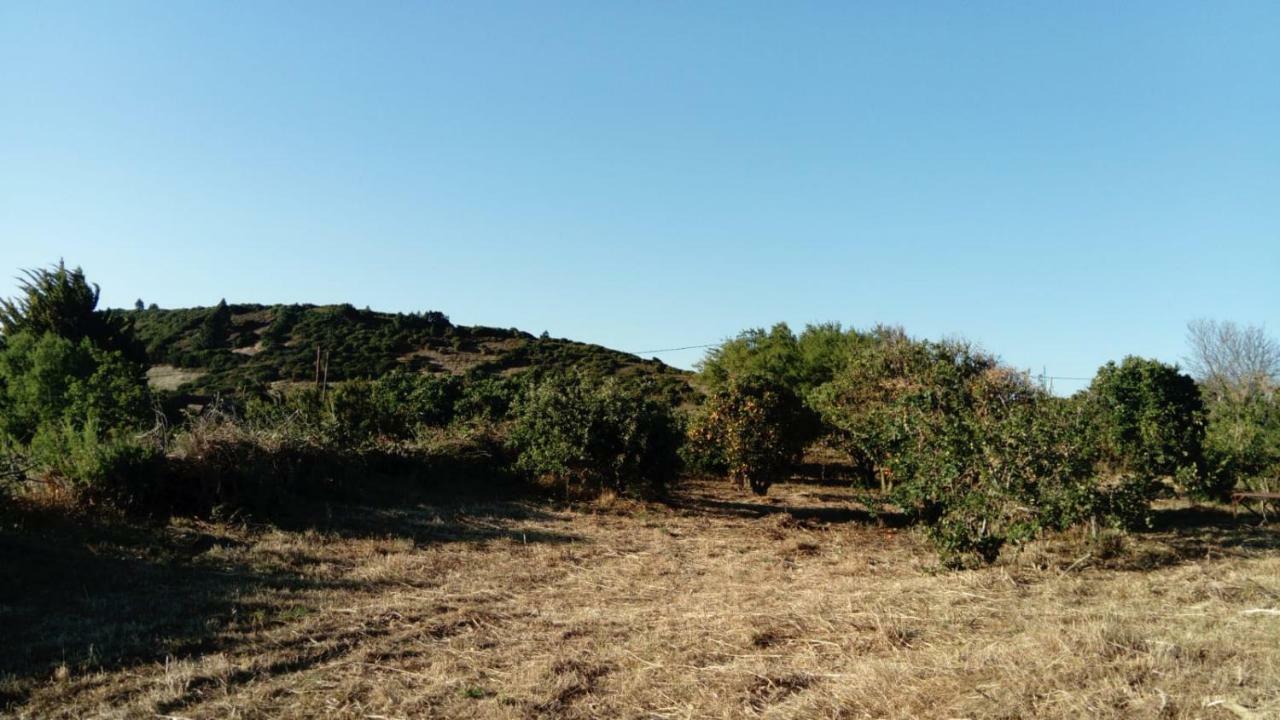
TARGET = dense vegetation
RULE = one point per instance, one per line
(244, 349)
(753, 429)
(972, 449)
(293, 402)
(596, 434)
(409, 395)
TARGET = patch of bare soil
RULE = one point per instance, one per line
(168, 377)
(715, 605)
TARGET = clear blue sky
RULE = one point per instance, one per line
(1066, 183)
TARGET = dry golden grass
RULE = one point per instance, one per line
(716, 606)
(168, 377)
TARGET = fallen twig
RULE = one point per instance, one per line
(1237, 709)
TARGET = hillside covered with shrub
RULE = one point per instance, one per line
(246, 348)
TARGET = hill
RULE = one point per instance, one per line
(230, 349)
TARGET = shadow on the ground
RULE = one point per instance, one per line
(842, 475)
(89, 595)
(697, 500)
(1201, 531)
(427, 514)
(427, 524)
(104, 595)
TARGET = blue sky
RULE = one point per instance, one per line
(1065, 183)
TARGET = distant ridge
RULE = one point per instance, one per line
(228, 349)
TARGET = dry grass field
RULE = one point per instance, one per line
(715, 605)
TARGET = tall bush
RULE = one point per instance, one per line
(1238, 368)
(799, 363)
(1242, 443)
(215, 328)
(486, 398)
(971, 448)
(96, 465)
(52, 380)
(593, 435)
(756, 429)
(1149, 420)
(62, 302)
(890, 388)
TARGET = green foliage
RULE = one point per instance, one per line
(486, 398)
(765, 376)
(97, 465)
(995, 462)
(362, 344)
(824, 351)
(13, 464)
(1148, 419)
(1242, 443)
(300, 414)
(971, 448)
(1125, 502)
(215, 329)
(421, 400)
(69, 393)
(893, 385)
(61, 302)
(595, 435)
(277, 332)
(1238, 368)
(361, 411)
(773, 355)
(51, 380)
(754, 428)
(392, 408)
(780, 357)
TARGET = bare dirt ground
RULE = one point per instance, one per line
(168, 377)
(716, 605)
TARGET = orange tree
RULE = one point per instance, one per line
(754, 429)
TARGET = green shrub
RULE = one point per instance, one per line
(63, 303)
(892, 389)
(349, 414)
(487, 398)
(773, 355)
(215, 328)
(970, 448)
(1242, 444)
(430, 400)
(13, 466)
(361, 411)
(300, 414)
(51, 380)
(96, 466)
(1149, 420)
(1008, 465)
(1125, 503)
(283, 319)
(754, 428)
(799, 363)
(392, 408)
(593, 435)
